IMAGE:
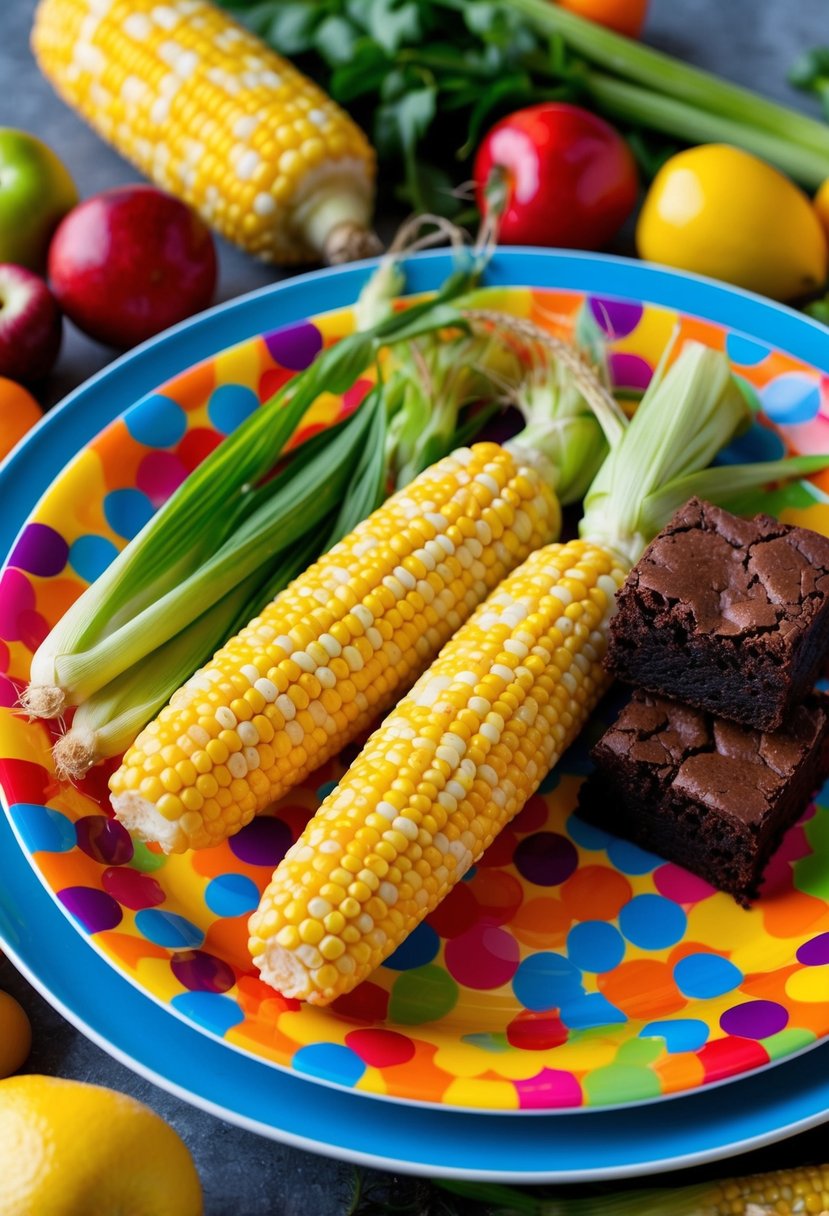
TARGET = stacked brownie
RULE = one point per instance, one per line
(723, 627)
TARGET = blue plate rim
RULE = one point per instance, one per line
(296, 298)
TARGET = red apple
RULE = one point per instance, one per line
(127, 263)
(31, 326)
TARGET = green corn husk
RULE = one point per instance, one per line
(687, 415)
(220, 492)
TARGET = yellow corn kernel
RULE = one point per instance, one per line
(482, 725)
(277, 652)
(207, 111)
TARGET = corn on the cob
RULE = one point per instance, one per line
(441, 776)
(333, 650)
(464, 750)
(202, 107)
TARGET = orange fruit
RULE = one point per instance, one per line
(623, 16)
(15, 1035)
(18, 413)
(68, 1148)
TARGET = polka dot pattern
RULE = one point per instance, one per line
(569, 968)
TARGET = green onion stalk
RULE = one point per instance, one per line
(637, 84)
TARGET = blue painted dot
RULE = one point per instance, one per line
(470, 874)
(792, 397)
(596, 946)
(590, 1010)
(419, 948)
(231, 895)
(586, 836)
(90, 555)
(706, 975)
(42, 828)
(168, 929)
(547, 981)
(229, 405)
(156, 421)
(746, 351)
(652, 922)
(757, 443)
(330, 1062)
(630, 859)
(325, 789)
(126, 511)
(680, 1034)
(209, 1009)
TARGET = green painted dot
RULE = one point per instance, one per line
(788, 1041)
(620, 1083)
(145, 860)
(639, 1053)
(423, 994)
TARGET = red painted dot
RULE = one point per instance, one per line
(536, 1031)
(197, 444)
(367, 1003)
(95, 785)
(159, 474)
(28, 781)
(272, 380)
(131, 889)
(729, 1056)
(32, 629)
(501, 851)
(484, 957)
(9, 693)
(357, 394)
(455, 914)
(381, 1048)
(499, 895)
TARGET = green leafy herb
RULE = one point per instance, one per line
(810, 73)
(427, 78)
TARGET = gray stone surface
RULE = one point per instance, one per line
(750, 41)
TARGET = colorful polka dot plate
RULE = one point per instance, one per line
(570, 971)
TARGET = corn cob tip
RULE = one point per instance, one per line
(142, 819)
(349, 242)
(285, 972)
(74, 755)
(43, 701)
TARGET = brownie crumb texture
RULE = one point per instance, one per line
(728, 614)
(711, 795)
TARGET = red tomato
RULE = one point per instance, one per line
(624, 16)
(570, 177)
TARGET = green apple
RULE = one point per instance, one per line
(36, 192)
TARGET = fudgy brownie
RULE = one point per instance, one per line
(711, 795)
(728, 614)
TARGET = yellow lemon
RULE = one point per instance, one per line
(722, 212)
(15, 1035)
(72, 1149)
